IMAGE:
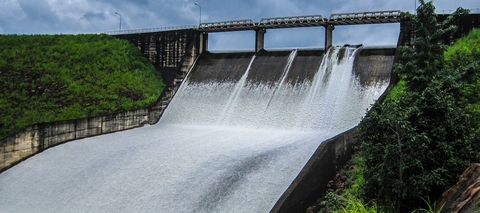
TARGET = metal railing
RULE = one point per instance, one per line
(389, 16)
(293, 21)
(227, 25)
(365, 15)
(151, 30)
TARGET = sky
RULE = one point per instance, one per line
(97, 16)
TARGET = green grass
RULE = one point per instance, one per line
(350, 202)
(398, 89)
(46, 78)
(354, 181)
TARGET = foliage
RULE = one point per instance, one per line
(425, 57)
(417, 142)
(464, 57)
(431, 208)
(47, 78)
(464, 49)
(397, 90)
(352, 202)
(358, 206)
(333, 203)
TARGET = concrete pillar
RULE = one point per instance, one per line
(328, 35)
(203, 42)
(260, 39)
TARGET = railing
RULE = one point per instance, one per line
(227, 25)
(472, 11)
(293, 21)
(151, 30)
(390, 16)
(365, 17)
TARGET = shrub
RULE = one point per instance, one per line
(417, 142)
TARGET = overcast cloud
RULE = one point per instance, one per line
(96, 16)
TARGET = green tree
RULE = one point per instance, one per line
(425, 57)
(416, 144)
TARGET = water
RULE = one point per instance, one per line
(232, 146)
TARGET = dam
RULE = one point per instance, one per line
(234, 137)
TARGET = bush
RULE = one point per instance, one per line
(418, 141)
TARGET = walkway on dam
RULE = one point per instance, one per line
(373, 17)
(391, 16)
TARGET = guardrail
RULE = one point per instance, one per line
(227, 25)
(372, 17)
(151, 30)
(365, 17)
(292, 21)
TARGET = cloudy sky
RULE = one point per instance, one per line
(96, 16)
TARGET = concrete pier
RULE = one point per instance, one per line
(203, 42)
(328, 35)
(260, 39)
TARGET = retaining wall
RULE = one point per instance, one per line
(329, 158)
(39, 137)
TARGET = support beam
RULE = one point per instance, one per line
(260, 39)
(328, 35)
(203, 42)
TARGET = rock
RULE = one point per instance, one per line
(464, 196)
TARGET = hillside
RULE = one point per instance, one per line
(46, 78)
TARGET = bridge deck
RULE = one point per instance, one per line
(235, 25)
(374, 17)
(390, 16)
(292, 21)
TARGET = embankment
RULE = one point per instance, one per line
(41, 136)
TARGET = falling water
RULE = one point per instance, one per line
(221, 146)
(284, 74)
(227, 110)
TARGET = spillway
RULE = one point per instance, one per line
(237, 133)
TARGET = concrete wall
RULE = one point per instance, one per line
(39, 137)
(165, 49)
(329, 158)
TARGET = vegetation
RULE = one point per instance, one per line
(419, 140)
(46, 78)
(350, 201)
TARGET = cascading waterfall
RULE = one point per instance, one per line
(221, 146)
(334, 90)
(291, 57)
(226, 113)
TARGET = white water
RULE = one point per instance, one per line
(220, 147)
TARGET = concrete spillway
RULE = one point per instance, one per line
(237, 133)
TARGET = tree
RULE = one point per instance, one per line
(416, 144)
(425, 57)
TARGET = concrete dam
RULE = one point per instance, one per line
(239, 130)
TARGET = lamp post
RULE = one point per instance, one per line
(415, 9)
(200, 22)
(120, 28)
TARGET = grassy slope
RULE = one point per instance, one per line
(47, 78)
